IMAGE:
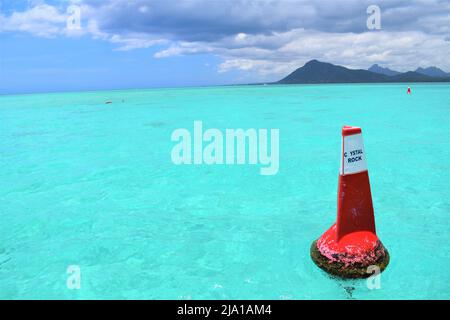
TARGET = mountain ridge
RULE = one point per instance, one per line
(433, 72)
(315, 72)
(386, 71)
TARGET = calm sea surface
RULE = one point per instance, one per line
(93, 185)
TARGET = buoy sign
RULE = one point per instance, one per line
(353, 156)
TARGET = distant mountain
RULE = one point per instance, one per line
(321, 72)
(433, 72)
(412, 76)
(386, 71)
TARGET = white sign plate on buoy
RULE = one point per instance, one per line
(353, 158)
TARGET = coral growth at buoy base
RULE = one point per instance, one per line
(344, 266)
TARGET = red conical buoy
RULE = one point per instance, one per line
(351, 245)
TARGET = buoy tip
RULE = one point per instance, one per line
(350, 130)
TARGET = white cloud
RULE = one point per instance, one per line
(143, 9)
(240, 64)
(136, 41)
(184, 48)
(401, 50)
(240, 36)
(266, 39)
(41, 20)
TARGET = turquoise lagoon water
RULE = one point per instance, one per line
(88, 184)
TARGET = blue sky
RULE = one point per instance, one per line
(154, 43)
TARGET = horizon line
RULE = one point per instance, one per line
(225, 85)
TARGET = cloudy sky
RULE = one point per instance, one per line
(49, 45)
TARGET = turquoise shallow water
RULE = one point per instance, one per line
(88, 184)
